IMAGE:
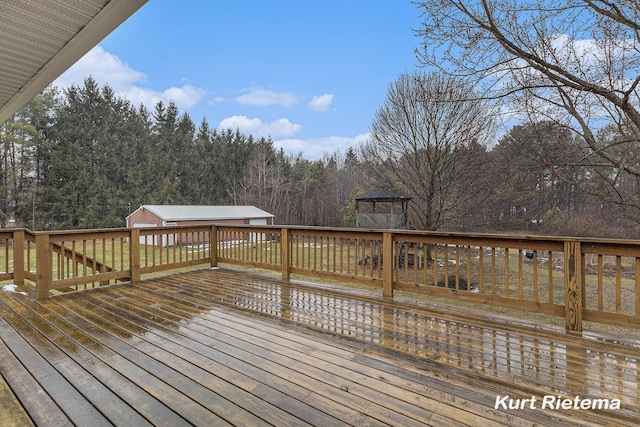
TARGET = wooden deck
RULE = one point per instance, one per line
(219, 347)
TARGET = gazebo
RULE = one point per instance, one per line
(382, 209)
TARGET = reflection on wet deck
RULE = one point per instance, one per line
(549, 360)
(219, 346)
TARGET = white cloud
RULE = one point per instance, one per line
(281, 127)
(107, 68)
(243, 123)
(321, 102)
(215, 101)
(315, 148)
(186, 96)
(104, 68)
(262, 97)
(257, 128)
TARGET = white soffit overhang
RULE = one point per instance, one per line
(41, 39)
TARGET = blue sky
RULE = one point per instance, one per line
(310, 74)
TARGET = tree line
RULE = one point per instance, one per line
(567, 73)
(86, 158)
(435, 140)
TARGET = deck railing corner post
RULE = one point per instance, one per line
(134, 254)
(285, 257)
(44, 273)
(387, 264)
(213, 245)
(573, 286)
(18, 257)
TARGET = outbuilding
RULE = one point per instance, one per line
(181, 215)
(176, 215)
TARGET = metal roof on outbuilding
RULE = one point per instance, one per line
(204, 213)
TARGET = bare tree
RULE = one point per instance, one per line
(264, 181)
(574, 62)
(424, 143)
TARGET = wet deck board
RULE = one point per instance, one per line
(13, 414)
(215, 347)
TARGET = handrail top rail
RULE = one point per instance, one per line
(424, 233)
(107, 230)
(447, 234)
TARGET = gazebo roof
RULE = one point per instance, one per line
(382, 196)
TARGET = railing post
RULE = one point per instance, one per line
(213, 245)
(387, 264)
(18, 257)
(44, 273)
(134, 254)
(284, 254)
(573, 287)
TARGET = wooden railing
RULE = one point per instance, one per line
(63, 261)
(577, 279)
(166, 248)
